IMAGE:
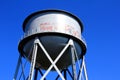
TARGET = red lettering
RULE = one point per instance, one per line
(46, 27)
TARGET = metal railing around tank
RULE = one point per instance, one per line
(35, 31)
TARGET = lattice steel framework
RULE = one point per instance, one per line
(63, 74)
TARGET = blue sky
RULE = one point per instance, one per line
(101, 31)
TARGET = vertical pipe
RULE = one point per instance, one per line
(22, 70)
(73, 63)
(17, 68)
(33, 61)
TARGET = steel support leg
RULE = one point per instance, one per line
(22, 70)
(33, 61)
(73, 63)
(17, 68)
(84, 67)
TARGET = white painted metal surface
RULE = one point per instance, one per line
(53, 22)
(53, 28)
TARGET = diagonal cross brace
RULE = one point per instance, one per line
(85, 71)
(33, 61)
(83, 67)
(53, 62)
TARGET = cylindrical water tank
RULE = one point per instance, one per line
(53, 28)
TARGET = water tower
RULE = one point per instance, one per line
(52, 42)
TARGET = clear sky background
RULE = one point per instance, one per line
(101, 20)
